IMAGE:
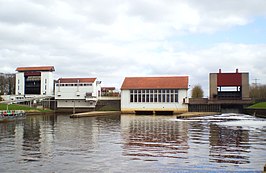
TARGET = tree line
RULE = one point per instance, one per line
(7, 84)
(256, 92)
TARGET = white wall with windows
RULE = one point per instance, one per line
(20, 84)
(153, 100)
(47, 83)
(74, 90)
(83, 95)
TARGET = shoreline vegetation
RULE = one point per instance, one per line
(260, 105)
(27, 109)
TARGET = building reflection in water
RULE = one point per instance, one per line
(229, 145)
(38, 135)
(154, 137)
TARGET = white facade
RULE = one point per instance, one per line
(46, 84)
(77, 92)
(153, 100)
(20, 84)
(157, 95)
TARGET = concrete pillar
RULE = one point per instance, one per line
(245, 86)
(213, 85)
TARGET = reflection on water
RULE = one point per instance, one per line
(228, 145)
(155, 137)
(130, 143)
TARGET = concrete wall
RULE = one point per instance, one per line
(245, 85)
(73, 92)
(47, 83)
(213, 85)
(129, 107)
(20, 84)
(74, 103)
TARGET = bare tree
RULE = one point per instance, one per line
(7, 83)
(258, 92)
(197, 92)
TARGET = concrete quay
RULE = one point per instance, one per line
(94, 114)
(197, 114)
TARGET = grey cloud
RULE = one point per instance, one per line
(78, 38)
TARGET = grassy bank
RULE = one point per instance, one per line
(261, 105)
(22, 107)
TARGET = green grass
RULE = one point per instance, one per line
(261, 105)
(21, 107)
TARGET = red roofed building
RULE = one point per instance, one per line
(154, 94)
(35, 81)
(77, 92)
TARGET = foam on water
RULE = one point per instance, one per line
(257, 124)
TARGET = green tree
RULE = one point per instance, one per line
(197, 92)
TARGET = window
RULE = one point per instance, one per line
(156, 96)
(139, 95)
(176, 96)
(131, 95)
(143, 95)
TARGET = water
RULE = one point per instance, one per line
(129, 143)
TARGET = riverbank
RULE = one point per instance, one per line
(27, 109)
(94, 113)
(258, 110)
(196, 114)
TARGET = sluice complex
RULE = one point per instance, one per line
(228, 91)
(143, 95)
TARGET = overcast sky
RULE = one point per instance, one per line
(112, 39)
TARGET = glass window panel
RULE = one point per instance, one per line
(143, 97)
(147, 98)
(151, 97)
(167, 98)
(172, 98)
(163, 98)
(155, 98)
(139, 97)
(159, 98)
(176, 98)
(131, 97)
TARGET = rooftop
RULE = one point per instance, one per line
(40, 68)
(170, 82)
(76, 80)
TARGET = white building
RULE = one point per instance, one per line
(154, 94)
(77, 92)
(35, 81)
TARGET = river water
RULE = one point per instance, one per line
(133, 143)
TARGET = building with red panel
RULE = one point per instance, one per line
(229, 86)
(35, 81)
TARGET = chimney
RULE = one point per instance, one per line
(237, 70)
(220, 71)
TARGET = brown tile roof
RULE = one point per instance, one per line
(41, 68)
(172, 82)
(76, 80)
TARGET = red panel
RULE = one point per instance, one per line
(229, 79)
(32, 73)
